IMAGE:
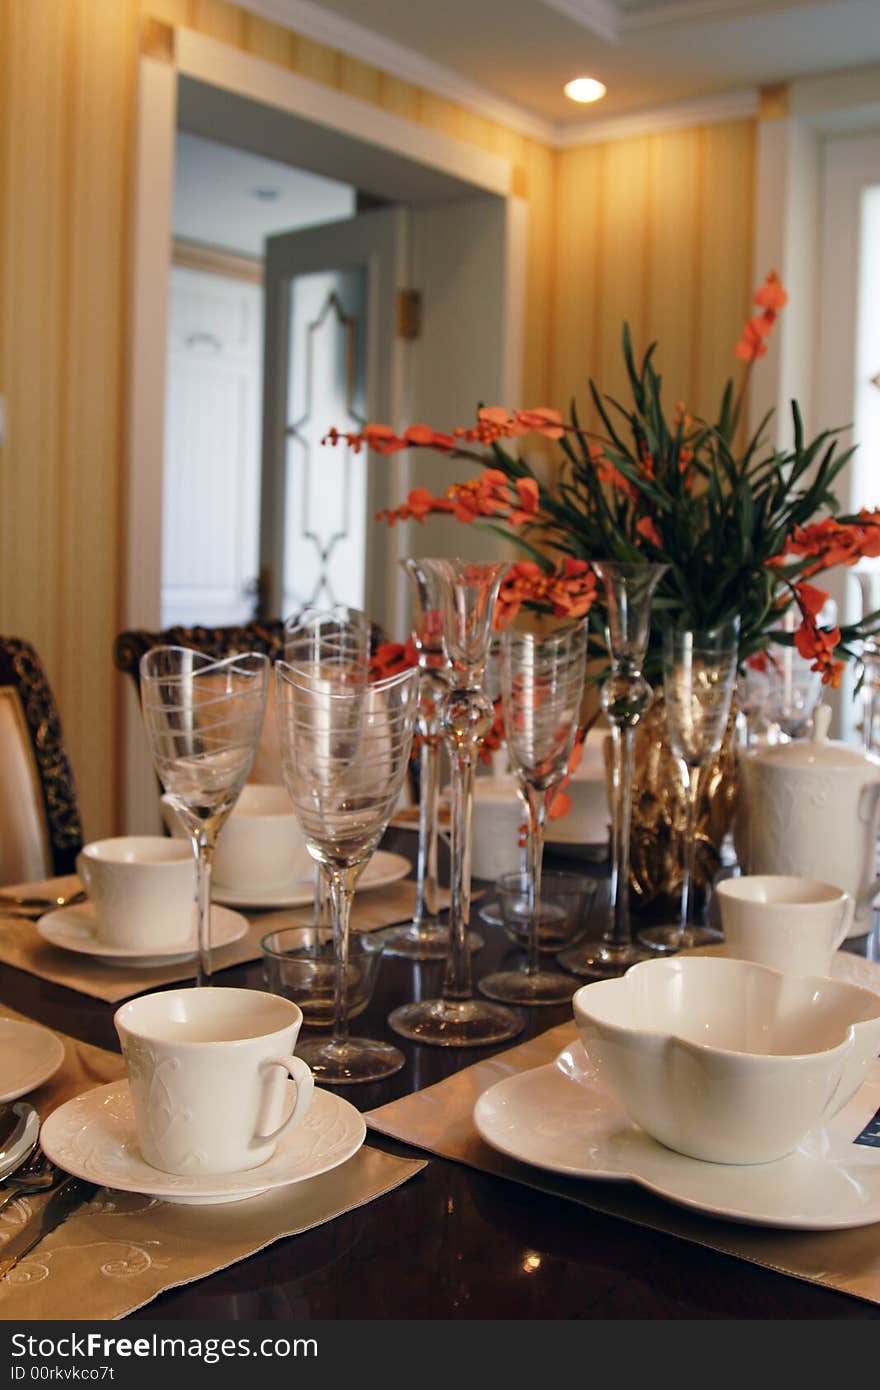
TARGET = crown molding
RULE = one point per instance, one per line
(334, 30)
(654, 16)
(725, 106)
(325, 26)
(601, 17)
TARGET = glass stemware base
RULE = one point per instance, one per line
(428, 941)
(343, 1063)
(671, 937)
(456, 1023)
(519, 987)
(602, 960)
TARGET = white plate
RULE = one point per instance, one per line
(93, 1137)
(29, 1055)
(560, 1119)
(845, 966)
(383, 869)
(73, 929)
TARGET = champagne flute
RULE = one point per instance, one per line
(542, 685)
(626, 695)
(335, 644)
(203, 720)
(699, 675)
(467, 593)
(344, 756)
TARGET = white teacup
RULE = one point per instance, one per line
(789, 923)
(207, 1069)
(143, 888)
(261, 846)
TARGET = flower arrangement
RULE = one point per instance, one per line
(740, 525)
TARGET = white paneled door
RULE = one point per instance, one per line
(210, 543)
(332, 358)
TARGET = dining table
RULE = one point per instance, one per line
(455, 1242)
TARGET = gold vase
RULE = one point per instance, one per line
(659, 813)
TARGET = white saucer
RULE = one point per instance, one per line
(29, 1055)
(73, 929)
(93, 1137)
(383, 869)
(559, 1118)
(845, 965)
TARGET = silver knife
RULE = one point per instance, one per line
(70, 1193)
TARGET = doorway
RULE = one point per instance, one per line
(459, 244)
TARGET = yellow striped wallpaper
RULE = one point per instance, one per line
(656, 229)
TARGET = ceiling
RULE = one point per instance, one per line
(649, 53)
(232, 199)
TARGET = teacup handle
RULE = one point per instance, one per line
(848, 911)
(305, 1085)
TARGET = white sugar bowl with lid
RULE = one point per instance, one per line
(812, 808)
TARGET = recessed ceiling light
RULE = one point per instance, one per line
(265, 195)
(585, 89)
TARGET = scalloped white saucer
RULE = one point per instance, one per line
(73, 929)
(29, 1055)
(93, 1137)
(845, 965)
(383, 869)
(559, 1118)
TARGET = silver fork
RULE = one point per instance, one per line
(36, 1174)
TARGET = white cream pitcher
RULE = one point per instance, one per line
(812, 808)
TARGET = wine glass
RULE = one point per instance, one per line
(795, 689)
(426, 938)
(468, 593)
(203, 720)
(752, 695)
(333, 643)
(699, 675)
(336, 640)
(542, 685)
(344, 755)
(625, 695)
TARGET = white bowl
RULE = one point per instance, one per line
(261, 846)
(726, 1060)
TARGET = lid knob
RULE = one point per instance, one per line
(821, 723)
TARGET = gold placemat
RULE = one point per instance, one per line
(22, 946)
(84, 1066)
(440, 1120)
(121, 1250)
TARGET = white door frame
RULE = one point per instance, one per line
(169, 54)
(848, 165)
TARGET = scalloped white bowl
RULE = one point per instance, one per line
(725, 1060)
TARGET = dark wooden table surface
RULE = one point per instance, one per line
(453, 1242)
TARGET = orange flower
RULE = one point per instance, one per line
(383, 440)
(529, 496)
(647, 528)
(819, 645)
(832, 542)
(390, 658)
(771, 297)
(608, 474)
(751, 344)
(771, 294)
(567, 592)
(811, 599)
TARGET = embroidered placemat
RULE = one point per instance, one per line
(22, 946)
(439, 1119)
(121, 1250)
